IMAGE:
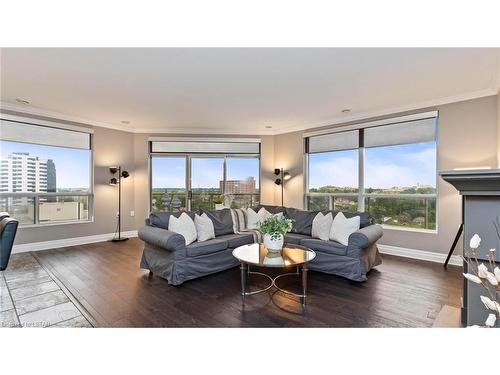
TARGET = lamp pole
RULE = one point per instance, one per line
(119, 203)
(121, 175)
(282, 183)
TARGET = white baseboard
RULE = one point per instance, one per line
(429, 256)
(45, 245)
(384, 249)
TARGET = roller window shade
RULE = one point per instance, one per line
(185, 147)
(334, 142)
(403, 133)
(43, 135)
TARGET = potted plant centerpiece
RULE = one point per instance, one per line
(219, 202)
(274, 230)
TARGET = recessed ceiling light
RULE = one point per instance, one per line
(125, 122)
(268, 127)
(22, 101)
(347, 110)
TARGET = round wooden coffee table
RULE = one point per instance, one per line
(289, 257)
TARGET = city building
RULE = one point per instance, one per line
(246, 186)
(20, 172)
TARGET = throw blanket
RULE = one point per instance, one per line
(239, 216)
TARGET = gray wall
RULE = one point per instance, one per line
(467, 137)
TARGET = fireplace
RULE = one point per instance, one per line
(480, 190)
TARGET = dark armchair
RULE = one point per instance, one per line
(8, 229)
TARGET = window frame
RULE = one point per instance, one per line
(188, 157)
(361, 194)
(36, 196)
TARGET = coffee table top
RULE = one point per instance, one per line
(257, 254)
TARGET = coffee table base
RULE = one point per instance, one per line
(246, 272)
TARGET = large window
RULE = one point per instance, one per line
(201, 175)
(397, 166)
(45, 173)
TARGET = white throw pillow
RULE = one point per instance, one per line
(183, 225)
(255, 217)
(204, 227)
(321, 226)
(343, 227)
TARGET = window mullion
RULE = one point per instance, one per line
(361, 172)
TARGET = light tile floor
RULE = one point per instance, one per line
(29, 297)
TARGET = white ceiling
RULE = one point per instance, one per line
(236, 90)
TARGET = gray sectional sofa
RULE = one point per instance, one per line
(166, 255)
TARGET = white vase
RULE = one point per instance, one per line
(273, 245)
(219, 206)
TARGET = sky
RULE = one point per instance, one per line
(72, 165)
(205, 172)
(385, 167)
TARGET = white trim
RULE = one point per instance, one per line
(370, 124)
(205, 139)
(54, 244)
(429, 256)
(49, 124)
(455, 260)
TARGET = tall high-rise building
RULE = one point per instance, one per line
(51, 176)
(20, 172)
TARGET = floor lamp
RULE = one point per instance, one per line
(113, 182)
(282, 177)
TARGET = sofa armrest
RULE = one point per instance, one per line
(163, 238)
(363, 238)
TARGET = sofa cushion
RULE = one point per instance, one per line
(222, 219)
(328, 247)
(303, 220)
(254, 218)
(206, 247)
(321, 226)
(204, 227)
(183, 225)
(295, 238)
(343, 227)
(160, 219)
(365, 219)
(235, 240)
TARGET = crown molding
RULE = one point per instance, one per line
(35, 111)
(336, 121)
(198, 131)
(364, 116)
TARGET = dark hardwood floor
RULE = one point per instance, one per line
(106, 280)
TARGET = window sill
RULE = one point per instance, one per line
(57, 223)
(406, 229)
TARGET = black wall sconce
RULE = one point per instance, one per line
(113, 182)
(280, 181)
